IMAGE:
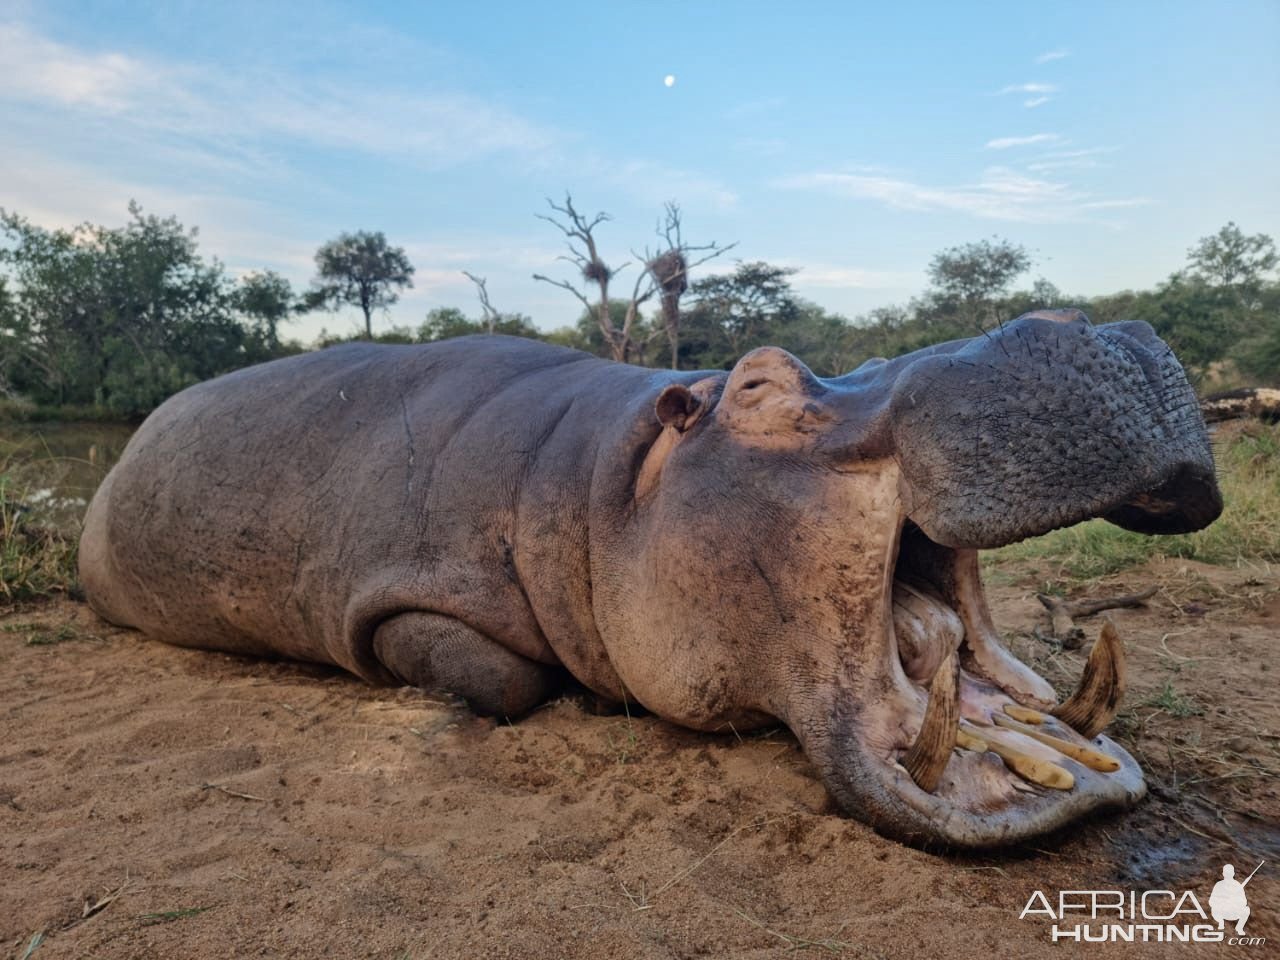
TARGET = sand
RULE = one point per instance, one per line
(195, 804)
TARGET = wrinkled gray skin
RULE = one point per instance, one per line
(485, 515)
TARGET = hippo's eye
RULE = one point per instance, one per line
(752, 384)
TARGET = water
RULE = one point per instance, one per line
(52, 469)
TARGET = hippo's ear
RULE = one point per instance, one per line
(771, 393)
(678, 407)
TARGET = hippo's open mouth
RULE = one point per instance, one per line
(968, 735)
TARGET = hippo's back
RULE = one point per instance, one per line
(250, 513)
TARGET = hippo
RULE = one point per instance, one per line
(496, 517)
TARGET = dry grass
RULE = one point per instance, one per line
(36, 561)
(1248, 455)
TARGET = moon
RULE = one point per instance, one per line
(669, 80)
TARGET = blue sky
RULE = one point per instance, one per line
(851, 140)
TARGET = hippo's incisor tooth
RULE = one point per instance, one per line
(1024, 714)
(967, 741)
(1093, 759)
(1094, 704)
(1030, 768)
(928, 756)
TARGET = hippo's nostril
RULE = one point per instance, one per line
(1189, 500)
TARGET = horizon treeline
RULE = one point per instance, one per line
(116, 319)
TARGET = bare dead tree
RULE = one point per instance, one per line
(669, 271)
(491, 316)
(665, 271)
(579, 232)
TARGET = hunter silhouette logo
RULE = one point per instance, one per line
(1148, 916)
(1228, 901)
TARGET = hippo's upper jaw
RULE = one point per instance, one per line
(845, 549)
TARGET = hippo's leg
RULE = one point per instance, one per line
(439, 653)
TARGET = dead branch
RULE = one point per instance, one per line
(1063, 613)
(1260, 402)
(491, 316)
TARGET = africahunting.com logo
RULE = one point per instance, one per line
(1148, 916)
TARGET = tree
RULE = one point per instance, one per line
(665, 271)
(668, 269)
(360, 269)
(736, 312)
(1229, 259)
(444, 323)
(116, 317)
(267, 300)
(974, 274)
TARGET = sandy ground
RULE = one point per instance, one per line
(214, 806)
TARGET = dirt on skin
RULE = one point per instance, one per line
(162, 802)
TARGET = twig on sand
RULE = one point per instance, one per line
(95, 908)
(231, 793)
(829, 944)
(642, 901)
(1063, 613)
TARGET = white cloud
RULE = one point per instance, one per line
(655, 183)
(1000, 194)
(832, 276)
(1030, 88)
(38, 68)
(1035, 102)
(1004, 143)
(1085, 159)
(1084, 152)
(1051, 55)
(229, 109)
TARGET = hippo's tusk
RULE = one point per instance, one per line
(1030, 768)
(1094, 704)
(1024, 714)
(1091, 758)
(928, 755)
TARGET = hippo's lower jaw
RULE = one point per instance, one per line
(959, 743)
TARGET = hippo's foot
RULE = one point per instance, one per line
(436, 652)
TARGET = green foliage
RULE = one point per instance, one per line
(978, 271)
(117, 317)
(1231, 261)
(266, 299)
(446, 322)
(361, 270)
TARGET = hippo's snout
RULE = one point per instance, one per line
(1048, 422)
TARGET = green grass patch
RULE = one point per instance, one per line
(36, 560)
(1248, 455)
(1172, 702)
(49, 638)
(20, 411)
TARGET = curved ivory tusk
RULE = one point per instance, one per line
(928, 755)
(1096, 700)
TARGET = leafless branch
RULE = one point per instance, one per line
(491, 315)
(565, 284)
